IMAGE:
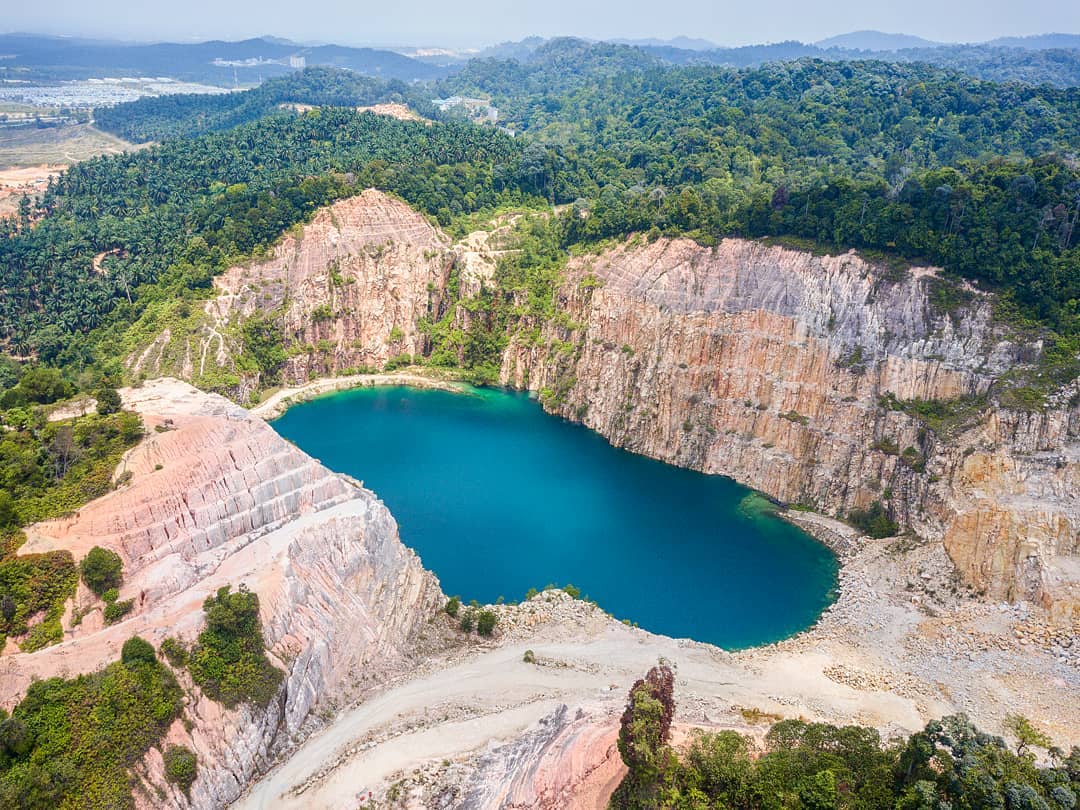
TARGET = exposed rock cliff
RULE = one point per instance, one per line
(759, 362)
(346, 290)
(217, 497)
(769, 365)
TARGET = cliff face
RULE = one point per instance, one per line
(768, 365)
(758, 362)
(346, 290)
(217, 497)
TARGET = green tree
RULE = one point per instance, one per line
(485, 622)
(453, 605)
(1026, 734)
(228, 662)
(101, 570)
(108, 400)
(137, 650)
(468, 621)
(643, 739)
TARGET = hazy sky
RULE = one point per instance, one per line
(477, 22)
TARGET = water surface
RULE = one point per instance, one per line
(496, 496)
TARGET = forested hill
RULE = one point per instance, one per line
(1058, 66)
(161, 117)
(114, 225)
(909, 160)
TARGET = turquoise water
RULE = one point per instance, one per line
(496, 496)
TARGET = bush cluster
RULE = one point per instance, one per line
(71, 744)
(181, 766)
(102, 570)
(812, 766)
(228, 661)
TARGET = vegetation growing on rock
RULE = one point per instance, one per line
(33, 590)
(874, 520)
(181, 766)
(485, 622)
(50, 468)
(70, 744)
(228, 662)
(950, 764)
(101, 570)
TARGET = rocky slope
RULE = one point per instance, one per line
(216, 497)
(795, 374)
(346, 290)
(769, 365)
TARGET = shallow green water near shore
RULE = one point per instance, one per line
(496, 496)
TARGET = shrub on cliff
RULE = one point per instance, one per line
(135, 650)
(101, 570)
(228, 661)
(644, 732)
(873, 520)
(453, 605)
(485, 622)
(468, 621)
(174, 651)
(71, 744)
(32, 585)
(181, 766)
(108, 400)
(115, 611)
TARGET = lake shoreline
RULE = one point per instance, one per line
(402, 440)
(281, 400)
(838, 537)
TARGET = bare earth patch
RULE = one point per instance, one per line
(481, 727)
(28, 180)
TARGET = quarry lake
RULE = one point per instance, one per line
(496, 496)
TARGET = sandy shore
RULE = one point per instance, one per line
(280, 401)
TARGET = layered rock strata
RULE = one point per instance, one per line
(215, 498)
(777, 367)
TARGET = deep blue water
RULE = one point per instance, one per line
(496, 496)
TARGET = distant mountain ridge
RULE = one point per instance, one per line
(1040, 42)
(684, 42)
(214, 62)
(1051, 58)
(875, 41)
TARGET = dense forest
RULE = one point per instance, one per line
(904, 159)
(114, 224)
(156, 118)
(950, 765)
(1058, 66)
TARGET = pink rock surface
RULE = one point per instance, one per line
(234, 503)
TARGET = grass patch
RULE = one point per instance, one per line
(943, 416)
